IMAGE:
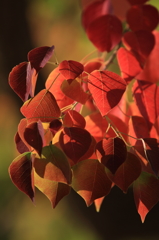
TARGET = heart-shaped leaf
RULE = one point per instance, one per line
(91, 184)
(38, 57)
(42, 107)
(105, 32)
(53, 165)
(76, 143)
(74, 90)
(54, 191)
(146, 193)
(20, 171)
(74, 119)
(107, 89)
(143, 17)
(70, 69)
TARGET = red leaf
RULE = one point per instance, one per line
(127, 173)
(146, 193)
(120, 8)
(38, 57)
(128, 64)
(138, 128)
(142, 17)
(137, 2)
(20, 171)
(143, 92)
(96, 10)
(20, 145)
(91, 184)
(21, 128)
(76, 143)
(112, 153)
(22, 80)
(53, 84)
(141, 43)
(34, 135)
(54, 191)
(74, 91)
(53, 165)
(107, 89)
(105, 32)
(74, 119)
(70, 69)
(42, 107)
(150, 72)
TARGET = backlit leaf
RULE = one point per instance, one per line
(70, 69)
(142, 17)
(54, 191)
(147, 96)
(127, 173)
(53, 83)
(20, 145)
(74, 119)
(107, 89)
(91, 184)
(42, 107)
(98, 202)
(146, 193)
(20, 171)
(111, 152)
(53, 165)
(38, 57)
(105, 32)
(128, 64)
(74, 90)
(55, 125)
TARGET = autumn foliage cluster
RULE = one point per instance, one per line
(90, 128)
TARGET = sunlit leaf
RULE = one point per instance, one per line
(54, 191)
(74, 90)
(20, 171)
(91, 184)
(74, 119)
(53, 165)
(107, 89)
(42, 107)
(70, 69)
(146, 193)
(98, 202)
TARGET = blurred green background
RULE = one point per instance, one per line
(25, 24)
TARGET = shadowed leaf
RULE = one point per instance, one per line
(74, 119)
(38, 57)
(20, 145)
(20, 171)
